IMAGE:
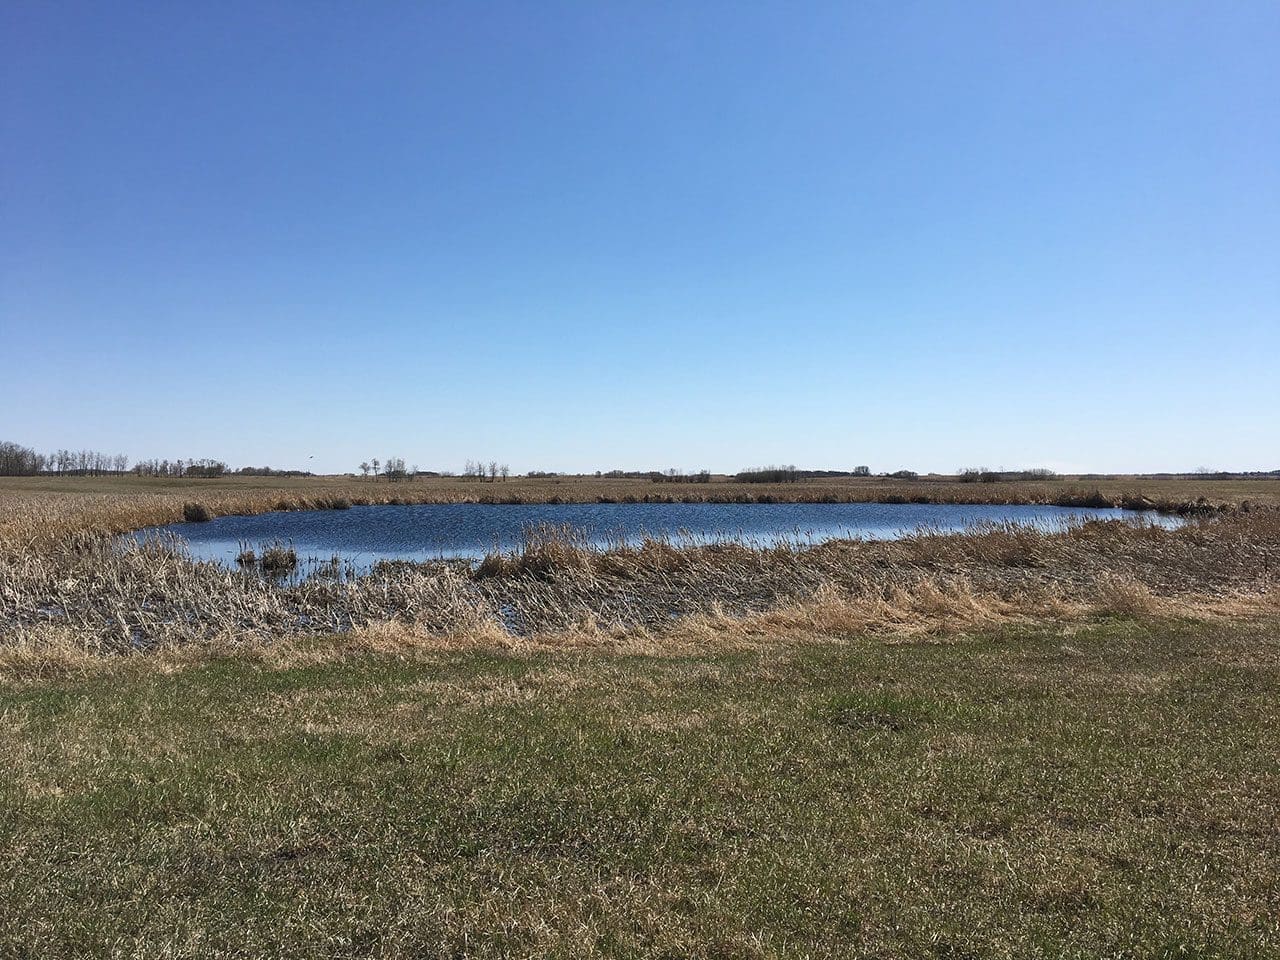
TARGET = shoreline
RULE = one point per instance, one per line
(36, 512)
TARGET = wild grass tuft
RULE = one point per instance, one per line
(196, 513)
(278, 559)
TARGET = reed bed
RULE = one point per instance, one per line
(115, 596)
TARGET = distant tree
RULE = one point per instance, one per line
(504, 471)
(364, 469)
(17, 460)
(375, 468)
(862, 471)
(772, 474)
(206, 469)
(270, 472)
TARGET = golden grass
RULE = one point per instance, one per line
(127, 597)
(931, 608)
(68, 597)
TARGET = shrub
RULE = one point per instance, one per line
(196, 513)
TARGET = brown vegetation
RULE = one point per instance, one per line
(104, 597)
(65, 581)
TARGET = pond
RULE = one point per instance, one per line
(362, 536)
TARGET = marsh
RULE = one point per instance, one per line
(362, 536)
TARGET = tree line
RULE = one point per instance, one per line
(491, 471)
(19, 461)
(985, 475)
(789, 473)
(203, 469)
(393, 469)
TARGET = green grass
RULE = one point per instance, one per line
(1109, 791)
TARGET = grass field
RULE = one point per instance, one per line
(1006, 743)
(1109, 790)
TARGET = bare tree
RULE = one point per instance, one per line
(505, 471)
(364, 469)
(17, 460)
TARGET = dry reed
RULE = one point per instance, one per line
(115, 597)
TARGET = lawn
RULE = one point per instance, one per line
(1103, 790)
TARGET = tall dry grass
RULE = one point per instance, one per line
(108, 598)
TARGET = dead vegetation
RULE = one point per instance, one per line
(95, 596)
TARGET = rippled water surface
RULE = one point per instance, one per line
(364, 535)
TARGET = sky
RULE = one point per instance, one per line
(581, 236)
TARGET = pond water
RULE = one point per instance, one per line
(361, 536)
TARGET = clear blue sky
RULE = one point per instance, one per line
(594, 235)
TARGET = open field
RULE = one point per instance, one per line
(34, 509)
(1005, 743)
(1110, 790)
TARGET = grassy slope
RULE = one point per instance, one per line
(1111, 791)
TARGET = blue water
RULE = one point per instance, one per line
(363, 535)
